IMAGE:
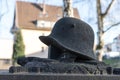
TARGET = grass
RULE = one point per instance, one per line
(114, 62)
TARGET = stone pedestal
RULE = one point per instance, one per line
(40, 76)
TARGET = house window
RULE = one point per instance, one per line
(40, 23)
(44, 24)
(42, 49)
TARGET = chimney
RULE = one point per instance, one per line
(44, 7)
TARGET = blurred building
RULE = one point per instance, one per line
(116, 44)
(6, 50)
(108, 47)
(113, 49)
(36, 20)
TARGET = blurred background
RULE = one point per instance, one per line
(23, 21)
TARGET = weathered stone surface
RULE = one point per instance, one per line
(116, 71)
(24, 76)
(24, 60)
(58, 67)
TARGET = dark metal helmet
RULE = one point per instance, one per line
(74, 35)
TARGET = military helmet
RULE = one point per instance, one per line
(72, 34)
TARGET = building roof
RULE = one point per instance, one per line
(27, 14)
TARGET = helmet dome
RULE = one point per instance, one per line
(72, 34)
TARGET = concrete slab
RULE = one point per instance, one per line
(49, 76)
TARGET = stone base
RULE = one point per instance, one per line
(59, 67)
(34, 76)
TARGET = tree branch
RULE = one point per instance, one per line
(2, 14)
(112, 26)
(108, 8)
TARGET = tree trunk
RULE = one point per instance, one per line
(100, 17)
(67, 8)
(100, 31)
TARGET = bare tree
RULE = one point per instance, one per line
(100, 18)
(5, 10)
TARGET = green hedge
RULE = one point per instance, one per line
(18, 47)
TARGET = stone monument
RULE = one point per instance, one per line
(70, 51)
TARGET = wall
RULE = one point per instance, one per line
(33, 46)
(6, 48)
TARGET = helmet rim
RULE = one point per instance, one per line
(49, 40)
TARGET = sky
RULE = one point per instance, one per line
(86, 11)
(6, 18)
